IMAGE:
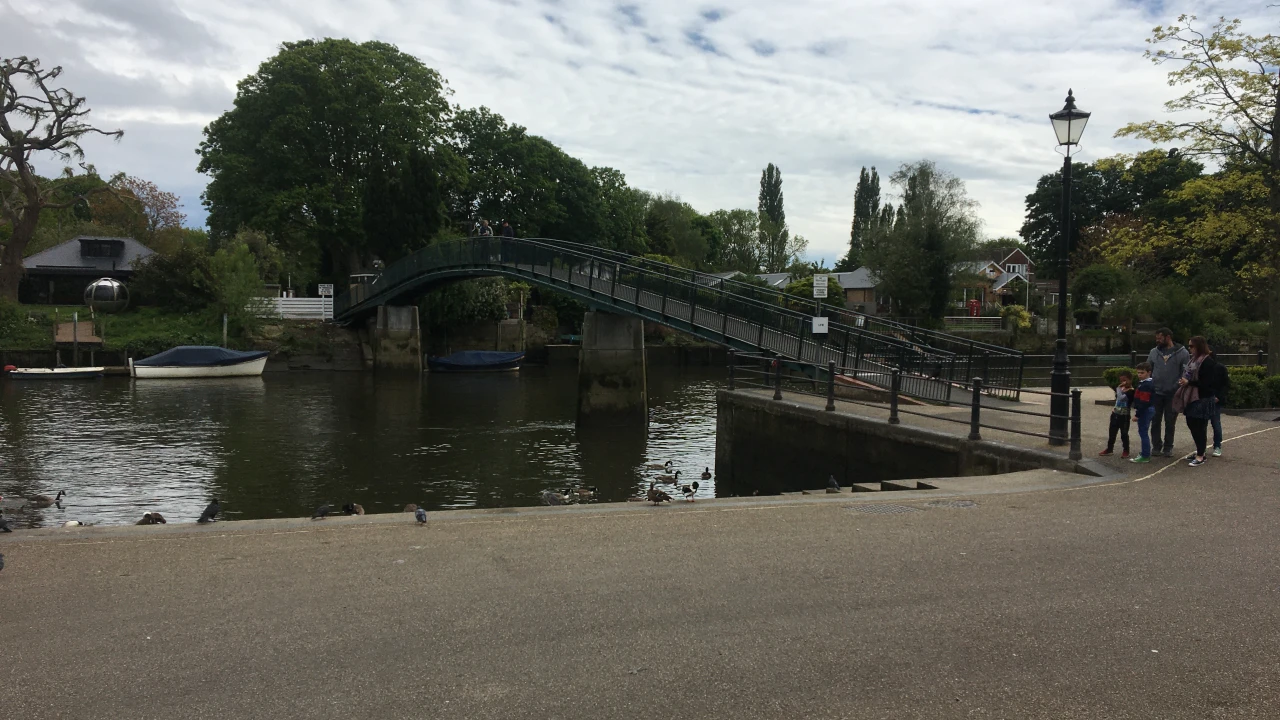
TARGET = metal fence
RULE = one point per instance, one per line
(736, 314)
(293, 308)
(762, 372)
(1088, 369)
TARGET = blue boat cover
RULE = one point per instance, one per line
(478, 358)
(199, 356)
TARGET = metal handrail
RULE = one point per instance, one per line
(774, 366)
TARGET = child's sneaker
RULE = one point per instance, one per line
(1124, 455)
(1141, 459)
(1105, 453)
(1217, 451)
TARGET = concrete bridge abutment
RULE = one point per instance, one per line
(397, 339)
(611, 371)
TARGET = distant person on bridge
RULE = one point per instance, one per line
(485, 230)
(507, 230)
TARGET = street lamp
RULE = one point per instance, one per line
(1068, 125)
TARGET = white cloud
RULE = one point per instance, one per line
(689, 98)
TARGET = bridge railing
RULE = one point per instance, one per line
(997, 365)
(775, 323)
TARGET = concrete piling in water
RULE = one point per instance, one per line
(397, 341)
(611, 371)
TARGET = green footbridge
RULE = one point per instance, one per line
(933, 365)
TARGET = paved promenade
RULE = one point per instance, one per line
(1151, 595)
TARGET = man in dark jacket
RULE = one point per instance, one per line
(1168, 361)
(507, 230)
(1222, 381)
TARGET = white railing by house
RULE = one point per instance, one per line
(293, 308)
(965, 322)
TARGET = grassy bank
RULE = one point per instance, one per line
(148, 330)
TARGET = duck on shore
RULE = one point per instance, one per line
(152, 518)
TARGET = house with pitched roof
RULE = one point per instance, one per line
(60, 274)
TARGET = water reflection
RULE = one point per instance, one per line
(280, 445)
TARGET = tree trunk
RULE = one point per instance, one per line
(12, 253)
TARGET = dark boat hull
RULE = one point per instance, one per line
(476, 361)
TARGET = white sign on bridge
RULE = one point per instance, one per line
(819, 287)
(326, 290)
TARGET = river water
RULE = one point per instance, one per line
(282, 444)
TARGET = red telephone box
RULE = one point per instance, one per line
(975, 308)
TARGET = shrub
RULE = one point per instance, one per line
(1112, 375)
(1256, 371)
(1246, 391)
(1016, 316)
(178, 282)
(1272, 385)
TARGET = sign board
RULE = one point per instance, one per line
(820, 287)
(820, 325)
(326, 290)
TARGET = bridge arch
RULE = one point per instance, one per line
(734, 314)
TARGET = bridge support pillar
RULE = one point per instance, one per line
(397, 339)
(611, 371)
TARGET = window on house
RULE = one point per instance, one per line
(101, 248)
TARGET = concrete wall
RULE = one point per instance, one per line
(611, 371)
(397, 341)
(777, 446)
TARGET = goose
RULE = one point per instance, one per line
(663, 466)
(690, 490)
(210, 513)
(353, 509)
(410, 508)
(321, 512)
(673, 480)
(586, 493)
(656, 496)
(553, 498)
(706, 474)
(152, 518)
(420, 514)
(44, 501)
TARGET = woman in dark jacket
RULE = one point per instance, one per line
(1202, 377)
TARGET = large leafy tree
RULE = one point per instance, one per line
(1134, 186)
(934, 227)
(1231, 111)
(37, 117)
(404, 204)
(622, 211)
(294, 157)
(866, 212)
(741, 249)
(526, 180)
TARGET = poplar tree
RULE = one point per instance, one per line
(866, 212)
(775, 239)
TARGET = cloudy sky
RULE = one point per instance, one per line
(683, 97)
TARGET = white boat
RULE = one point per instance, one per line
(199, 361)
(76, 373)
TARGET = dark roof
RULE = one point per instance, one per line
(67, 257)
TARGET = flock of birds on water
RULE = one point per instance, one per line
(656, 495)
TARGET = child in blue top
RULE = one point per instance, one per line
(1144, 410)
(1120, 415)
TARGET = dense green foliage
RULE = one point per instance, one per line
(934, 227)
(309, 130)
(866, 212)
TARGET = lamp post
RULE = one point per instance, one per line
(1068, 125)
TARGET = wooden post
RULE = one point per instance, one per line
(224, 329)
(75, 339)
